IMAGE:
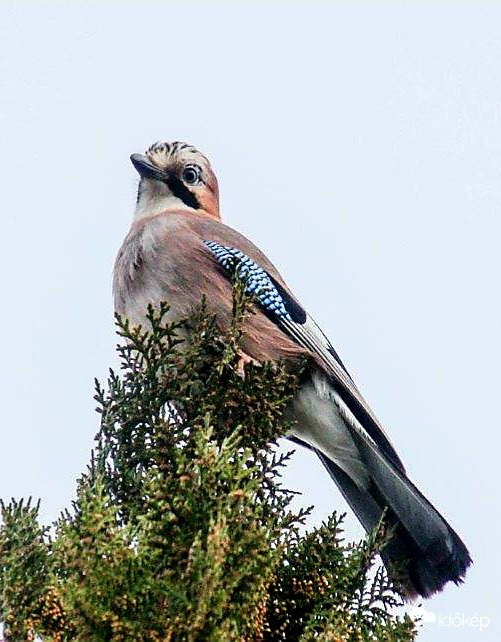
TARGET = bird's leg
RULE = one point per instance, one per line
(243, 360)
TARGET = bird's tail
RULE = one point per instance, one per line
(424, 550)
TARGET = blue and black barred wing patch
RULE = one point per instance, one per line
(270, 294)
(275, 300)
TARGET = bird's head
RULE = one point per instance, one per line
(175, 176)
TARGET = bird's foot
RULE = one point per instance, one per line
(243, 360)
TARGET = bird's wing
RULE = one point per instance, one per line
(283, 309)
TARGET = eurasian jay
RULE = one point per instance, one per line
(177, 250)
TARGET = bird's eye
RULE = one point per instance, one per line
(191, 175)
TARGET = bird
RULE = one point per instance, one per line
(178, 250)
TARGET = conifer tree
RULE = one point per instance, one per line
(181, 529)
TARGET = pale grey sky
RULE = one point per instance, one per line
(358, 144)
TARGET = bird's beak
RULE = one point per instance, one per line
(146, 169)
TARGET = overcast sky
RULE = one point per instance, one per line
(358, 144)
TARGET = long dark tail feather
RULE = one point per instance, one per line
(424, 552)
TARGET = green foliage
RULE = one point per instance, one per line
(24, 562)
(181, 530)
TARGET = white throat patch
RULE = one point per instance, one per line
(154, 198)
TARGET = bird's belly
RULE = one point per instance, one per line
(145, 274)
(135, 303)
(320, 424)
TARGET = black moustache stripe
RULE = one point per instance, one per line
(179, 189)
